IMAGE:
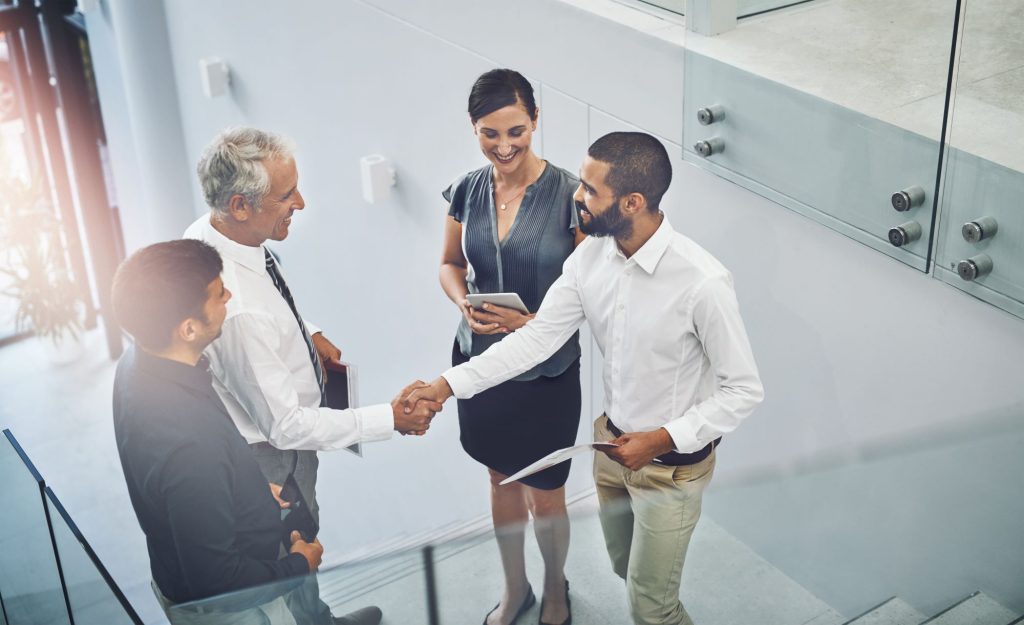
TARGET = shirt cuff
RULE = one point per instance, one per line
(311, 327)
(459, 382)
(684, 437)
(378, 423)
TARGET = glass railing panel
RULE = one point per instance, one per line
(394, 582)
(94, 597)
(930, 517)
(723, 581)
(981, 236)
(806, 108)
(470, 577)
(30, 578)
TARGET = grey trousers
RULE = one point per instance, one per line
(276, 465)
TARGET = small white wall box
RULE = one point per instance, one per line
(215, 75)
(88, 6)
(378, 177)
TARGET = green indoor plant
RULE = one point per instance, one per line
(32, 260)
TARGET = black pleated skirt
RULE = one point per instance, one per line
(515, 424)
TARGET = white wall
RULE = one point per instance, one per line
(854, 348)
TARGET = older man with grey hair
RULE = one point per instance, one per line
(268, 365)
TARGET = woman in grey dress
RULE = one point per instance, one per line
(511, 226)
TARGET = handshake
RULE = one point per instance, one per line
(415, 406)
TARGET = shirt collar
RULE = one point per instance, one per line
(253, 258)
(650, 253)
(197, 378)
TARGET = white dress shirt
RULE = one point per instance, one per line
(261, 365)
(676, 354)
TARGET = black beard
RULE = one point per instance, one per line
(610, 223)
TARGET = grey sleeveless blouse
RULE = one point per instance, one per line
(530, 258)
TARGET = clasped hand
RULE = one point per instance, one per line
(493, 319)
(636, 450)
(417, 404)
(416, 419)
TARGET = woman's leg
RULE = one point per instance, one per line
(510, 514)
(551, 526)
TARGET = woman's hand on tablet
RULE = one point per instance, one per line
(504, 319)
(477, 327)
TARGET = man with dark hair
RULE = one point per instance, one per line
(678, 369)
(212, 525)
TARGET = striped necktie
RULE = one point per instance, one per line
(282, 288)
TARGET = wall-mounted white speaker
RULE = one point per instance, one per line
(215, 76)
(378, 177)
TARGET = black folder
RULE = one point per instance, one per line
(341, 389)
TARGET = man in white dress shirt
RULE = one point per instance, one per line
(678, 369)
(268, 363)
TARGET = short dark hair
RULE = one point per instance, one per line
(497, 89)
(160, 286)
(638, 163)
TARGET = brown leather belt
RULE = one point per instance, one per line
(674, 458)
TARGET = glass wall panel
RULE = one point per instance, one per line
(750, 8)
(834, 110)
(981, 235)
(30, 579)
(94, 597)
(744, 8)
(675, 6)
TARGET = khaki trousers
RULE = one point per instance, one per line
(648, 517)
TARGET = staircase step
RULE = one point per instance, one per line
(978, 609)
(894, 611)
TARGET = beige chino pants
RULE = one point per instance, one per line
(648, 517)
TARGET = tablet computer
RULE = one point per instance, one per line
(508, 300)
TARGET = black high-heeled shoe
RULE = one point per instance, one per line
(526, 605)
(568, 605)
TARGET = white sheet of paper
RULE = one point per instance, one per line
(560, 455)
